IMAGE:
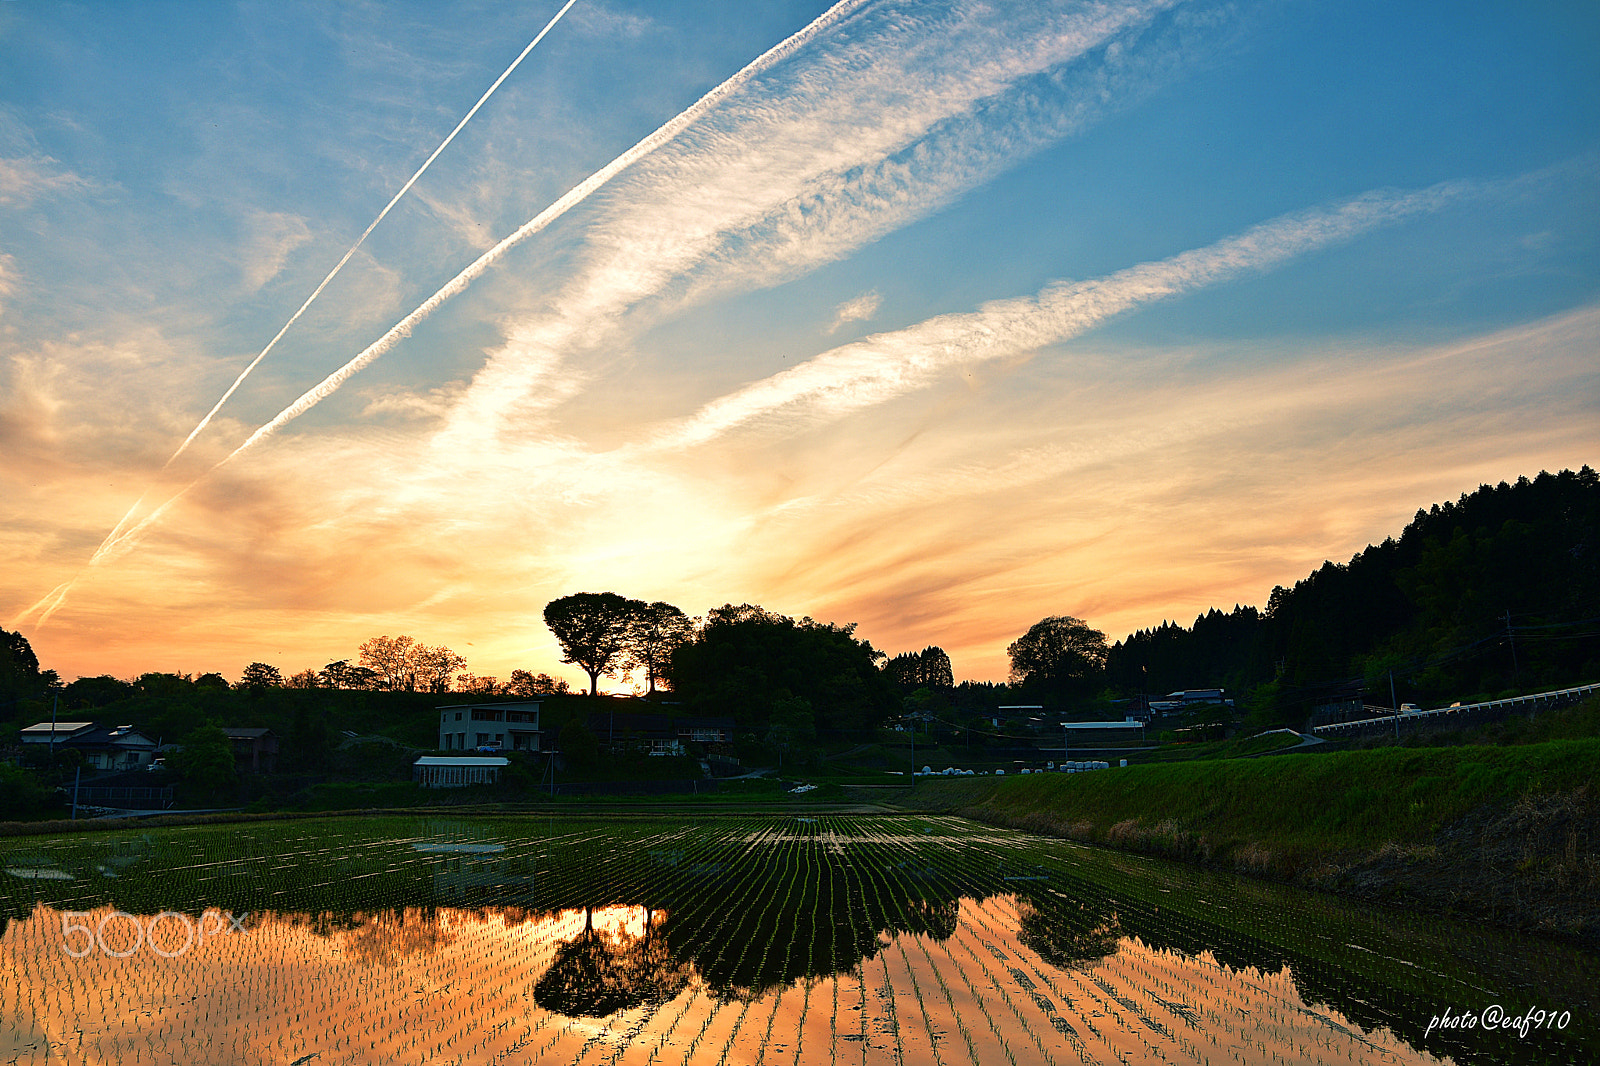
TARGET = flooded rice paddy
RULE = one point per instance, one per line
(768, 940)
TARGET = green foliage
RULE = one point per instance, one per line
(1431, 605)
(747, 660)
(91, 692)
(593, 629)
(527, 685)
(258, 676)
(22, 794)
(579, 746)
(1358, 799)
(928, 668)
(206, 766)
(308, 742)
(19, 669)
(1058, 658)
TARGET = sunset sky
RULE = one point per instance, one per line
(936, 317)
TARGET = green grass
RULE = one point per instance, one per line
(1298, 803)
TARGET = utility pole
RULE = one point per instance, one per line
(54, 704)
(913, 732)
(1511, 636)
(1394, 705)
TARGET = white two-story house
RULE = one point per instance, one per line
(503, 726)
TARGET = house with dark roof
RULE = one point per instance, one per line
(103, 747)
(658, 734)
(254, 750)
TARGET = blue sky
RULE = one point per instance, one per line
(936, 317)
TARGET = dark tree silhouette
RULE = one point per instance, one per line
(1061, 655)
(594, 975)
(594, 629)
(746, 659)
(928, 668)
(261, 675)
(658, 628)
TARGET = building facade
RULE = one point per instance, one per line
(502, 726)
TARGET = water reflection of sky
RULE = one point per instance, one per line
(744, 939)
(478, 986)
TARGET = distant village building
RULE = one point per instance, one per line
(504, 726)
(53, 733)
(658, 734)
(457, 771)
(254, 750)
(102, 747)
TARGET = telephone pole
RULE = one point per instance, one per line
(1511, 637)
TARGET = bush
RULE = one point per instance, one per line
(22, 795)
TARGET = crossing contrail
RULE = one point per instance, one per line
(122, 540)
(368, 232)
(206, 421)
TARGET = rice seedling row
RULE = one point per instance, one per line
(761, 939)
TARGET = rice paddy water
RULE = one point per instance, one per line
(731, 939)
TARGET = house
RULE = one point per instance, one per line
(653, 733)
(103, 747)
(53, 733)
(254, 750)
(507, 726)
(1191, 696)
(658, 734)
(704, 730)
(457, 771)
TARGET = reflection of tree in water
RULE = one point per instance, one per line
(1066, 932)
(386, 937)
(793, 928)
(594, 974)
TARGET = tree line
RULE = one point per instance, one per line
(1494, 592)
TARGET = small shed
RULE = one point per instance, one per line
(457, 771)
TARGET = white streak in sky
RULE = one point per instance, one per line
(878, 368)
(206, 421)
(120, 542)
(364, 235)
(60, 592)
(871, 129)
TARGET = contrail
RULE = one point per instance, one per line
(117, 543)
(877, 368)
(368, 232)
(206, 421)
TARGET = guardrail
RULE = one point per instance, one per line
(1545, 700)
(104, 796)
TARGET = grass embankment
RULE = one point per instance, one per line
(1505, 833)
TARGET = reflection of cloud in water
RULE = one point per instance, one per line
(477, 987)
(387, 937)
